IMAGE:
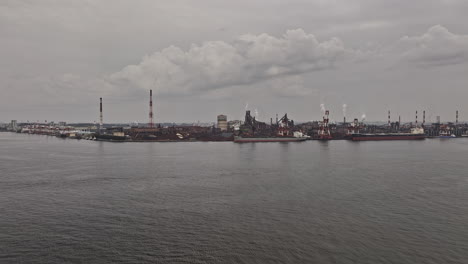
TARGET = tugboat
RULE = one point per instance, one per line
(446, 132)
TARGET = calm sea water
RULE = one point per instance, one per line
(69, 201)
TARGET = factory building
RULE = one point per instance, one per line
(222, 122)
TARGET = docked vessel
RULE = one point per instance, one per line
(239, 139)
(416, 133)
(116, 136)
(446, 134)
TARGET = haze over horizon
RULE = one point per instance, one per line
(204, 58)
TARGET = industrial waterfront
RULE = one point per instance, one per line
(234, 132)
(278, 129)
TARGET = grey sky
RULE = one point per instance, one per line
(207, 57)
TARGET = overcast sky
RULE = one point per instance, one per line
(208, 57)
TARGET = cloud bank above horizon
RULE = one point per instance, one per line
(251, 59)
(351, 63)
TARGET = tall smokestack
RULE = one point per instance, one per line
(100, 114)
(424, 118)
(416, 117)
(456, 119)
(151, 120)
(389, 118)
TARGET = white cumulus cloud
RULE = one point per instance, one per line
(437, 47)
(247, 60)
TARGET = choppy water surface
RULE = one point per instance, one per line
(312, 202)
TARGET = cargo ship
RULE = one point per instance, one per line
(416, 133)
(115, 137)
(239, 139)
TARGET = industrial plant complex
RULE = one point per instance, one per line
(280, 129)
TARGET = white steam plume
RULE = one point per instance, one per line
(345, 107)
(322, 108)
